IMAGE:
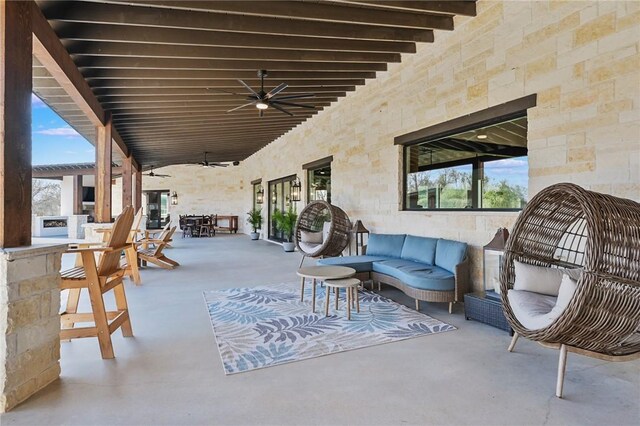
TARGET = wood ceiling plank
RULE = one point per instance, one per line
(215, 106)
(451, 7)
(224, 84)
(102, 13)
(173, 36)
(246, 75)
(103, 94)
(159, 100)
(324, 12)
(124, 62)
(194, 119)
(78, 48)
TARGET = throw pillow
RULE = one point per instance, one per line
(540, 279)
(565, 294)
(311, 237)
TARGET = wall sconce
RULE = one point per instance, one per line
(174, 198)
(260, 195)
(296, 188)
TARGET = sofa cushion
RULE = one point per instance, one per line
(416, 274)
(389, 245)
(450, 253)
(359, 263)
(419, 249)
(541, 279)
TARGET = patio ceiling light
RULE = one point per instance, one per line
(262, 105)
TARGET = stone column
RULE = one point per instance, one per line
(29, 321)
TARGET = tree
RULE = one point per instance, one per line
(45, 196)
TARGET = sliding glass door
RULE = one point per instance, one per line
(279, 199)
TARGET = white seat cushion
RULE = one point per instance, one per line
(310, 248)
(540, 279)
(535, 310)
(311, 237)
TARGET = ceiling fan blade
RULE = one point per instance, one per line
(277, 90)
(217, 165)
(242, 106)
(291, 104)
(299, 96)
(162, 176)
(280, 109)
(249, 88)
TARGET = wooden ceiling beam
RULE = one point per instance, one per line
(451, 7)
(160, 100)
(103, 94)
(173, 36)
(220, 112)
(196, 118)
(215, 84)
(101, 13)
(146, 50)
(51, 54)
(308, 11)
(274, 77)
(112, 62)
(215, 106)
(176, 115)
(250, 134)
(214, 126)
(217, 109)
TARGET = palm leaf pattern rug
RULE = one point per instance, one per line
(268, 325)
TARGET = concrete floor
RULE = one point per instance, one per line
(171, 372)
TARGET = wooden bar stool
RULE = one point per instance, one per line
(351, 286)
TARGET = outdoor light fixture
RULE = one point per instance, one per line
(174, 198)
(482, 134)
(260, 195)
(296, 187)
(262, 105)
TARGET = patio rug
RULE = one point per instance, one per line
(268, 325)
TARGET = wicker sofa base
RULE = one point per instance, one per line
(416, 293)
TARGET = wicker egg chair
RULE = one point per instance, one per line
(566, 226)
(312, 219)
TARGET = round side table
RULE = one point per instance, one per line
(322, 273)
(351, 286)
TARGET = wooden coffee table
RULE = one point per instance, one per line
(321, 273)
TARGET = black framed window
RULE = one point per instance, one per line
(319, 179)
(278, 198)
(482, 167)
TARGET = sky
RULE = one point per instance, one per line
(54, 141)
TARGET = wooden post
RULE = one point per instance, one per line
(103, 172)
(77, 194)
(15, 123)
(127, 166)
(137, 197)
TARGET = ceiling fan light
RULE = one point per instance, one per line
(262, 105)
(481, 135)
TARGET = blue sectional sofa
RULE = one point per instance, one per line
(429, 269)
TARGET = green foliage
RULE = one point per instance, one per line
(286, 221)
(504, 196)
(255, 219)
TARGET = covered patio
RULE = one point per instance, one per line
(436, 122)
(172, 373)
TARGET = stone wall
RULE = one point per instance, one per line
(580, 58)
(29, 321)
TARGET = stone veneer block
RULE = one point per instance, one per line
(29, 321)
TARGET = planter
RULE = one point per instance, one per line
(288, 247)
(254, 236)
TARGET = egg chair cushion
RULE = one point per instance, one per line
(535, 310)
(311, 237)
(541, 279)
(310, 248)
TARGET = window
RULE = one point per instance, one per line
(278, 198)
(478, 168)
(319, 180)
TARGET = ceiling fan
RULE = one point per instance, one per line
(206, 163)
(158, 175)
(263, 100)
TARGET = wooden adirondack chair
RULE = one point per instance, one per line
(131, 269)
(154, 255)
(98, 278)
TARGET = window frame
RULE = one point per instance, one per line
(312, 166)
(494, 115)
